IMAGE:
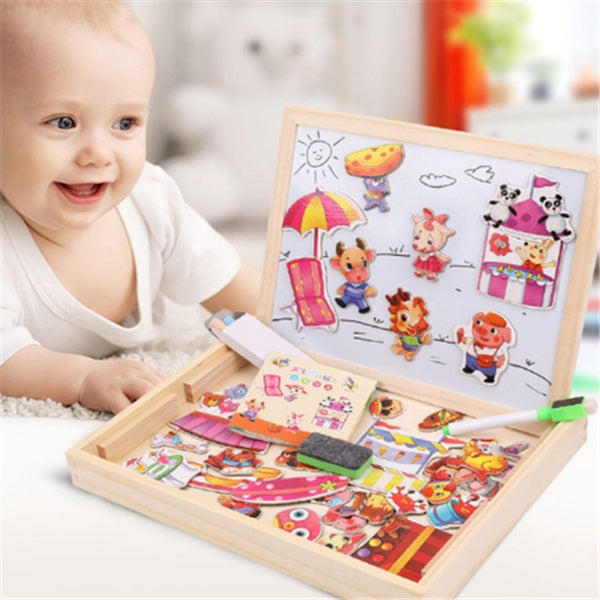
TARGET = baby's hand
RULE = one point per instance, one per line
(114, 384)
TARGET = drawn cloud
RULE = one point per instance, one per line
(481, 173)
(437, 181)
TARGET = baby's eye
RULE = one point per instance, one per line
(62, 122)
(125, 124)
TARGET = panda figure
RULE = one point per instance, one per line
(502, 206)
(556, 219)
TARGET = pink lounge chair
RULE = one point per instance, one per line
(311, 305)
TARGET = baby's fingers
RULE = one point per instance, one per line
(136, 387)
(129, 391)
(154, 376)
(119, 402)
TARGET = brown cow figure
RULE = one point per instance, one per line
(353, 264)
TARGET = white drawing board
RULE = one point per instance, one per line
(508, 260)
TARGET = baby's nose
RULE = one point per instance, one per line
(95, 151)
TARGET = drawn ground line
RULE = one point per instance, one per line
(369, 340)
(536, 391)
(517, 366)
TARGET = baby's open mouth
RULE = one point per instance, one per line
(82, 192)
(81, 189)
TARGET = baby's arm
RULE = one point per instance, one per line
(240, 294)
(110, 385)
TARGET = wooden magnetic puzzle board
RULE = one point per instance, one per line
(420, 521)
(473, 231)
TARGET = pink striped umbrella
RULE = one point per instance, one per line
(322, 211)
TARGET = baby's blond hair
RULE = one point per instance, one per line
(19, 20)
(95, 13)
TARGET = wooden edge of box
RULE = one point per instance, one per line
(428, 135)
(581, 276)
(187, 511)
(523, 487)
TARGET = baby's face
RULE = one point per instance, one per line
(74, 106)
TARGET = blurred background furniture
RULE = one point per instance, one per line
(564, 124)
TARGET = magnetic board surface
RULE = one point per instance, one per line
(479, 265)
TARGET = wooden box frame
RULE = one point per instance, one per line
(95, 462)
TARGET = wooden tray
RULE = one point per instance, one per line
(96, 462)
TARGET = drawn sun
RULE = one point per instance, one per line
(317, 154)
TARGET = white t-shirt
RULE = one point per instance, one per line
(177, 255)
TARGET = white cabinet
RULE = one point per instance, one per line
(566, 125)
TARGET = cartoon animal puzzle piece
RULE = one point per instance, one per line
(210, 400)
(345, 518)
(252, 409)
(481, 457)
(289, 458)
(407, 316)
(353, 264)
(556, 219)
(236, 392)
(486, 351)
(376, 508)
(374, 164)
(234, 462)
(501, 207)
(301, 522)
(439, 488)
(430, 236)
(173, 440)
(407, 501)
(534, 255)
(339, 542)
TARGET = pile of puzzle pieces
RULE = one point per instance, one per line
(418, 491)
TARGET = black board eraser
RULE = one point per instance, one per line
(333, 455)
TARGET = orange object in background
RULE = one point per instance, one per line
(454, 76)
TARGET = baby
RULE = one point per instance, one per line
(93, 237)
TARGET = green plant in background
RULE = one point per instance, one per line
(498, 32)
